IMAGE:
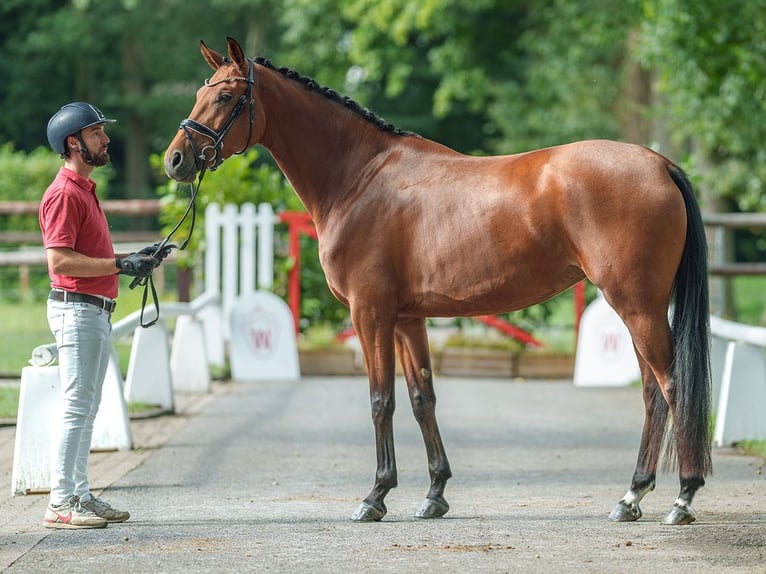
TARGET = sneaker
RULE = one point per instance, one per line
(71, 514)
(104, 510)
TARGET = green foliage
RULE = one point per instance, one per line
(710, 60)
(25, 177)
(755, 448)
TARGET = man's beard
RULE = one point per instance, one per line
(100, 159)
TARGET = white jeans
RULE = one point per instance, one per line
(82, 335)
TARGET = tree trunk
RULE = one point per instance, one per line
(137, 180)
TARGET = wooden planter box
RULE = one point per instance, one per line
(332, 361)
(542, 365)
(476, 362)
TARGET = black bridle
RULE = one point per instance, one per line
(188, 125)
(216, 147)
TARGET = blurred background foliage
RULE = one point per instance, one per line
(483, 77)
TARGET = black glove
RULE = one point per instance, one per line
(136, 264)
(152, 250)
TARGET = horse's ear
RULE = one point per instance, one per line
(236, 54)
(213, 58)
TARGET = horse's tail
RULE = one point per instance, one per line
(690, 326)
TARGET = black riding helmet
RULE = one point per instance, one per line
(70, 120)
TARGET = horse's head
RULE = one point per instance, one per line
(225, 119)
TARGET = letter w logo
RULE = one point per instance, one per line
(611, 343)
(262, 339)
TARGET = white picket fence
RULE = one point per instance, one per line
(239, 251)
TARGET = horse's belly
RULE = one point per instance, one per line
(500, 294)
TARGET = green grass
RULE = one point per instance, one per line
(749, 298)
(753, 447)
(25, 326)
(9, 401)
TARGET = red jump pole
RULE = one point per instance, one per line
(297, 222)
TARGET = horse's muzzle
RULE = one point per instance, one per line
(180, 166)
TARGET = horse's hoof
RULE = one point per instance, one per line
(368, 513)
(680, 514)
(625, 512)
(432, 508)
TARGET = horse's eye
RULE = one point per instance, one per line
(223, 97)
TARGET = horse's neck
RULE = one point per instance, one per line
(319, 145)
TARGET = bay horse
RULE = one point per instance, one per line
(410, 229)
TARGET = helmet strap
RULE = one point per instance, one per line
(86, 157)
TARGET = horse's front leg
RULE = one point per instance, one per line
(412, 347)
(376, 338)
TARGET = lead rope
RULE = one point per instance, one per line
(147, 282)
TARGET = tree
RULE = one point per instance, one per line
(710, 61)
(138, 60)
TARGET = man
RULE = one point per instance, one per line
(83, 271)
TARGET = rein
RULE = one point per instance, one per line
(148, 282)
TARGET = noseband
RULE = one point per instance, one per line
(211, 155)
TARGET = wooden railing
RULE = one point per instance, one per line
(720, 266)
(33, 254)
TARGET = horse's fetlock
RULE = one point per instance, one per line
(692, 483)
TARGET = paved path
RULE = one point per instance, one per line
(264, 477)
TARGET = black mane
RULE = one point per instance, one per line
(331, 94)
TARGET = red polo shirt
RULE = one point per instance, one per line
(71, 216)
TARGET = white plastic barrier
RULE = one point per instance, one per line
(188, 360)
(111, 429)
(149, 380)
(39, 406)
(263, 345)
(605, 354)
(38, 403)
(739, 381)
(164, 373)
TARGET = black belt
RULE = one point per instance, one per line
(70, 297)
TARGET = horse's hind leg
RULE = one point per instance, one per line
(667, 422)
(655, 418)
(412, 347)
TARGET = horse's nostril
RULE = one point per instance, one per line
(175, 159)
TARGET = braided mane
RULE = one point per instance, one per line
(331, 94)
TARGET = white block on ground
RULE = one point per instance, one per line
(149, 379)
(39, 396)
(263, 345)
(212, 323)
(718, 349)
(742, 402)
(111, 429)
(605, 355)
(188, 359)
